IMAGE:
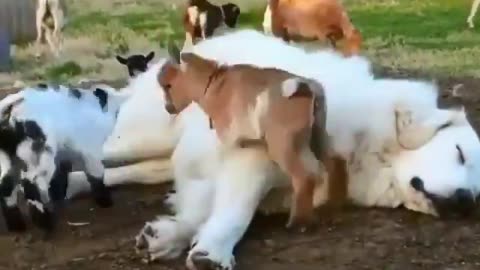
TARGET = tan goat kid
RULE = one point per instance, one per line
(322, 20)
(254, 107)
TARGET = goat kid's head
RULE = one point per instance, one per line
(231, 13)
(184, 79)
(136, 63)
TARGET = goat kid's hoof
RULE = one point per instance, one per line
(45, 220)
(14, 220)
(200, 260)
(301, 225)
(103, 198)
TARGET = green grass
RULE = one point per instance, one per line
(427, 35)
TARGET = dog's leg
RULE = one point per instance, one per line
(241, 183)
(168, 236)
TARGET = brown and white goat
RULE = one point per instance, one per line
(202, 18)
(257, 107)
(50, 20)
(322, 20)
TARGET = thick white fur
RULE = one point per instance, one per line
(363, 116)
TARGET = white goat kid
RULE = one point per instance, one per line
(46, 133)
(50, 21)
(407, 151)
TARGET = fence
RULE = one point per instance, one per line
(17, 18)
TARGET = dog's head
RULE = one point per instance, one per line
(232, 12)
(440, 173)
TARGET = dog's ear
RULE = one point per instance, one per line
(121, 60)
(149, 56)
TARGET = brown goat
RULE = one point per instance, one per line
(300, 20)
(255, 107)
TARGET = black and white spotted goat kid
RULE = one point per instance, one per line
(45, 132)
(136, 63)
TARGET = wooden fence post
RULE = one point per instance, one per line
(5, 61)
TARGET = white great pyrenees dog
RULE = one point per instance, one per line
(401, 149)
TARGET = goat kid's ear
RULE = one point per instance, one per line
(173, 52)
(121, 60)
(150, 56)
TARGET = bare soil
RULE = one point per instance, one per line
(347, 238)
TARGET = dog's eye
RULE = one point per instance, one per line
(167, 86)
(461, 157)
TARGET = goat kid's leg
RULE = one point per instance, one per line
(39, 213)
(59, 183)
(241, 183)
(58, 21)
(39, 169)
(95, 176)
(11, 212)
(303, 183)
(51, 42)
(473, 12)
(40, 13)
(168, 236)
(9, 187)
(303, 168)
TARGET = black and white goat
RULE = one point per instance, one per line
(45, 133)
(202, 18)
(136, 63)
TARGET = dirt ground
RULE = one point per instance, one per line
(349, 238)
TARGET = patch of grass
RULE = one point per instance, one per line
(430, 35)
(63, 71)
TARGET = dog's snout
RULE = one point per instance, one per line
(461, 202)
(417, 184)
(464, 201)
(170, 108)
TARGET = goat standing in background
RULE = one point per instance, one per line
(473, 12)
(302, 20)
(202, 19)
(50, 20)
